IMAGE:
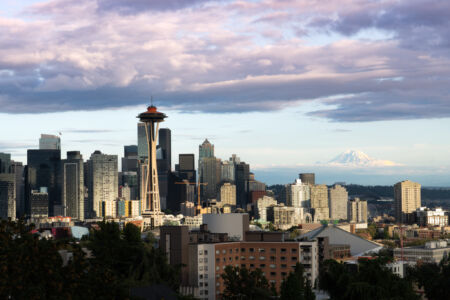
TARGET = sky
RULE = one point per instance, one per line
(286, 85)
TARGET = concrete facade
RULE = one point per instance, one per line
(338, 199)
(407, 197)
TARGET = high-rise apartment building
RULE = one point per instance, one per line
(338, 199)
(102, 183)
(42, 171)
(319, 202)
(308, 178)
(357, 211)
(298, 194)
(228, 194)
(72, 175)
(49, 142)
(407, 197)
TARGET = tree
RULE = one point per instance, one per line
(240, 283)
(295, 286)
(434, 278)
(369, 279)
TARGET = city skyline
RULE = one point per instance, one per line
(318, 79)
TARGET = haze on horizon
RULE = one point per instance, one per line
(286, 85)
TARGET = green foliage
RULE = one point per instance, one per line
(240, 283)
(433, 278)
(370, 279)
(32, 268)
(295, 286)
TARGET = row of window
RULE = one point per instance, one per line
(201, 252)
(261, 266)
(272, 258)
(260, 250)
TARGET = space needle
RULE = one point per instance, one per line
(151, 206)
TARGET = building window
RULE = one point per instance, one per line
(251, 249)
(272, 266)
(200, 284)
(283, 274)
(251, 257)
(200, 276)
(272, 282)
(283, 250)
(283, 266)
(273, 274)
(236, 250)
(206, 276)
(236, 257)
(200, 252)
(242, 257)
(242, 249)
(200, 260)
(262, 250)
(206, 284)
(294, 258)
(230, 258)
(231, 251)
(262, 258)
(200, 268)
(262, 266)
(205, 260)
(217, 260)
(273, 250)
(217, 269)
(272, 258)
(224, 251)
(242, 265)
(252, 265)
(206, 268)
(293, 250)
(217, 252)
(283, 258)
(224, 259)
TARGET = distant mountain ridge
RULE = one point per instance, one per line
(356, 158)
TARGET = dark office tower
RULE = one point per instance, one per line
(42, 171)
(308, 178)
(130, 151)
(186, 167)
(7, 196)
(165, 144)
(72, 178)
(130, 159)
(17, 169)
(142, 141)
(241, 179)
(5, 162)
(174, 242)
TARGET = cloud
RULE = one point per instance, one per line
(390, 58)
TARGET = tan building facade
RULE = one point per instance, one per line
(319, 202)
(228, 194)
(407, 197)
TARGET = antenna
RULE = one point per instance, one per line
(151, 100)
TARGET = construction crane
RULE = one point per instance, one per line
(199, 206)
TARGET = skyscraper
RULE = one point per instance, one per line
(72, 173)
(42, 171)
(298, 194)
(228, 194)
(49, 142)
(164, 163)
(18, 170)
(308, 178)
(5, 162)
(319, 202)
(186, 167)
(228, 171)
(7, 196)
(102, 183)
(241, 179)
(130, 159)
(151, 200)
(407, 197)
(338, 199)
(208, 170)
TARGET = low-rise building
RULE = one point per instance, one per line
(428, 217)
(431, 252)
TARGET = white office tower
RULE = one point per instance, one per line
(102, 183)
(298, 194)
(49, 142)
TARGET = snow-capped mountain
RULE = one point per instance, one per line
(356, 158)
